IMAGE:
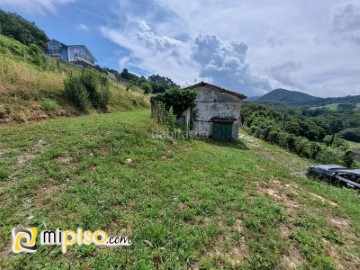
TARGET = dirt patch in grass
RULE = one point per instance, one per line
(251, 141)
(286, 193)
(292, 259)
(63, 159)
(234, 253)
(6, 252)
(341, 255)
(323, 200)
(278, 192)
(238, 225)
(339, 223)
(47, 189)
(22, 159)
(104, 150)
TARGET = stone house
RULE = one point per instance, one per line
(216, 113)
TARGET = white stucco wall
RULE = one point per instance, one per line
(211, 104)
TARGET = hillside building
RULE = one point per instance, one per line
(216, 113)
(77, 54)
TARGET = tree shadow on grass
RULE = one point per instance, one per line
(231, 144)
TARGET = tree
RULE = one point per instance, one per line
(335, 126)
(179, 100)
(348, 158)
(14, 26)
(160, 84)
(146, 87)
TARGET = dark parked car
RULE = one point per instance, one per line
(336, 174)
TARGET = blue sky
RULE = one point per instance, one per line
(244, 45)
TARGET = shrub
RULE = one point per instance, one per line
(291, 142)
(282, 139)
(180, 100)
(348, 158)
(4, 174)
(75, 91)
(171, 119)
(351, 134)
(159, 112)
(4, 111)
(90, 82)
(88, 90)
(104, 93)
(37, 56)
(315, 150)
(49, 105)
(146, 87)
(273, 137)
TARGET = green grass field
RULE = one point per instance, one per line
(186, 204)
(332, 106)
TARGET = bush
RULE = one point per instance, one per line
(351, 134)
(49, 105)
(75, 91)
(146, 87)
(348, 158)
(273, 137)
(104, 93)
(88, 90)
(282, 139)
(4, 174)
(37, 56)
(159, 112)
(89, 80)
(315, 150)
(180, 100)
(171, 119)
(4, 111)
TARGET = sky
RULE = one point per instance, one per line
(246, 46)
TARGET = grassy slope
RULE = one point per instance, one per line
(201, 205)
(26, 88)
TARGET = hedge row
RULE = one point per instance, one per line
(303, 147)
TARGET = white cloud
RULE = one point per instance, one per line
(245, 45)
(225, 63)
(34, 5)
(82, 27)
(345, 20)
(152, 53)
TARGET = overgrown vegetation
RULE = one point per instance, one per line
(14, 26)
(88, 89)
(179, 100)
(302, 135)
(32, 86)
(167, 107)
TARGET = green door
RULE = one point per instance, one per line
(222, 131)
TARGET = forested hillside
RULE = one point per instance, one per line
(301, 99)
(14, 26)
(320, 138)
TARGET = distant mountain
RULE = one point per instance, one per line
(253, 98)
(296, 98)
